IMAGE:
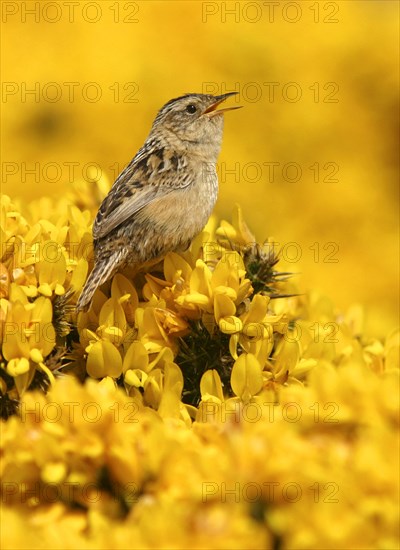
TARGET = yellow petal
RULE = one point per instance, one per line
(235, 262)
(42, 310)
(45, 289)
(226, 291)
(17, 294)
(120, 287)
(223, 307)
(112, 334)
(164, 356)
(44, 336)
(112, 315)
(15, 342)
(170, 321)
(230, 325)
(287, 356)
(175, 267)
(87, 337)
(228, 270)
(233, 343)
(4, 281)
(258, 309)
(136, 357)
(104, 360)
(200, 280)
(194, 298)
(227, 231)
(245, 290)
(135, 377)
(30, 291)
(59, 290)
(152, 347)
(79, 275)
(170, 403)
(254, 331)
(173, 378)
(246, 235)
(17, 366)
(53, 267)
(36, 356)
(153, 388)
(210, 385)
(148, 291)
(152, 330)
(211, 250)
(48, 372)
(23, 381)
(246, 376)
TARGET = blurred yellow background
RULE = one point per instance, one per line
(312, 158)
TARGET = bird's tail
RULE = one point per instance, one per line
(99, 275)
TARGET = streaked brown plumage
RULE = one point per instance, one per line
(165, 195)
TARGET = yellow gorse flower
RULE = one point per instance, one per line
(236, 233)
(194, 375)
(28, 337)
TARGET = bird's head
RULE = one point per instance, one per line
(194, 119)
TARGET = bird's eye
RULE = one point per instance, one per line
(191, 109)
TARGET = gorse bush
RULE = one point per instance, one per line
(176, 411)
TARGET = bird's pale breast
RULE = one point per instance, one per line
(181, 214)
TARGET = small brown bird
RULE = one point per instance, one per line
(165, 195)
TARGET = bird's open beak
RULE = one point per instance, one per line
(211, 110)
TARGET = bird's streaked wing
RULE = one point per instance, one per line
(149, 176)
